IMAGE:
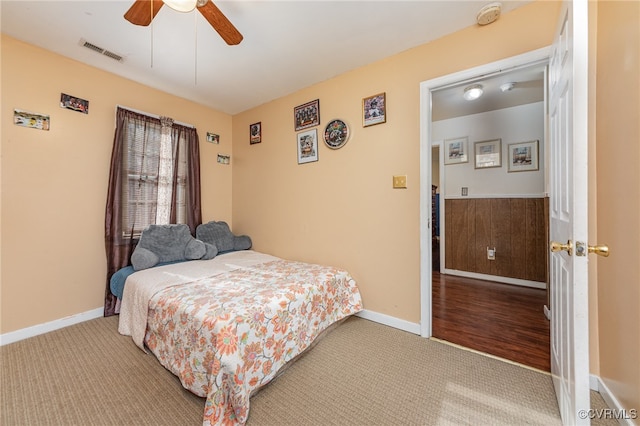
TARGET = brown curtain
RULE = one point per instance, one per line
(120, 243)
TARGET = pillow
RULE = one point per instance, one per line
(116, 283)
(169, 243)
(119, 278)
(219, 234)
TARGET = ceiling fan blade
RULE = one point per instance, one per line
(220, 23)
(142, 12)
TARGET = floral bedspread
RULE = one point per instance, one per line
(227, 335)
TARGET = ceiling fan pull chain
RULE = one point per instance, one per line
(151, 22)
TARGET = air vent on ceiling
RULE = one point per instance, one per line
(102, 51)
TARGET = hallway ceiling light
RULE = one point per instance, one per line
(473, 92)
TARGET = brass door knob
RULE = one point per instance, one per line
(568, 247)
(602, 250)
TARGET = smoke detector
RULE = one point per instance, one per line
(506, 87)
(489, 13)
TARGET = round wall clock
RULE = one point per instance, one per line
(336, 134)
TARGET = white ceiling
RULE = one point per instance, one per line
(288, 45)
(528, 87)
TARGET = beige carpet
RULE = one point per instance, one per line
(362, 373)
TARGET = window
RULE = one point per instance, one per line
(154, 153)
(154, 178)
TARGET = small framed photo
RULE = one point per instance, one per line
(255, 133)
(32, 120)
(74, 103)
(456, 151)
(224, 159)
(308, 146)
(213, 138)
(523, 156)
(307, 115)
(374, 110)
(488, 154)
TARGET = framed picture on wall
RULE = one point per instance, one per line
(307, 115)
(213, 138)
(488, 154)
(308, 146)
(374, 110)
(523, 156)
(456, 151)
(74, 103)
(336, 133)
(32, 120)
(255, 133)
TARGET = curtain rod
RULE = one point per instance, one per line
(153, 115)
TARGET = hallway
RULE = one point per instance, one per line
(499, 319)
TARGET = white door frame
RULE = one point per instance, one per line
(425, 164)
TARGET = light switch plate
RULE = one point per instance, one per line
(400, 181)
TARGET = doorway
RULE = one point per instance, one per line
(451, 187)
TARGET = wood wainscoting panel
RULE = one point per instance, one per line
(501, 234)
(458, 233)
(516, 227)
(482, 237)
(537, 238)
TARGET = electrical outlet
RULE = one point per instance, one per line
(400, 181)
(491, 253)
(465, 191)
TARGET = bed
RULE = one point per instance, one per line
(227, 326)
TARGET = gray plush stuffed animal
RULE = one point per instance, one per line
(169, 243)
(219, 234)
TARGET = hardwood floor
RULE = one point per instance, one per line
(499, 319)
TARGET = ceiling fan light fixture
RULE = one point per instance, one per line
(473, 92)
(181, 5)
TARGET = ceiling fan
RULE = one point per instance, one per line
(142, 13)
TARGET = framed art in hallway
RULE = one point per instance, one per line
(456, 151)
(523, 156)
(488, 154)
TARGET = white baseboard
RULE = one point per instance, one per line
(596, 384)
(35, 330)
(496, 278)
(394, 322)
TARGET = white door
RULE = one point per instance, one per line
(568, 213)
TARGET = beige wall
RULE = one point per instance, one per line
(54, 182)
(618, 194)
(342, 209)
